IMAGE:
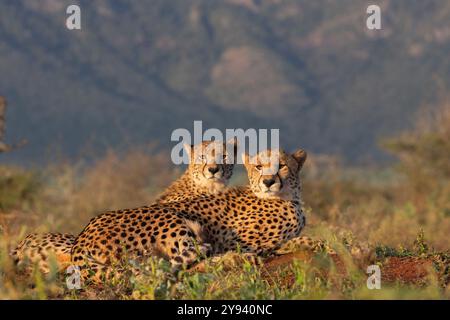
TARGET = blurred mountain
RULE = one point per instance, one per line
(139, 69)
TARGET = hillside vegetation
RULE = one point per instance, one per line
(139, 69)
(397, 217)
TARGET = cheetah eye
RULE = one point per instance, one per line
(282, 165)
(259, 167)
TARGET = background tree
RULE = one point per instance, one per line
(3, 146)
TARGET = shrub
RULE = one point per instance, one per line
(18, 188)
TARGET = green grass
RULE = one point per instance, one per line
(369, 216)
(313, 279)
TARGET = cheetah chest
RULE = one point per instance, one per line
(258, 227)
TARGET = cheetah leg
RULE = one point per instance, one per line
(96, 273)
(305, 242)
(236, 259)
(229, 261)
(186, 246)
(181, 247)
(188, 253)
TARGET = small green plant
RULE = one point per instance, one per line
(420, 245)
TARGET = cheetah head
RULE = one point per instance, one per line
(211, 163)
(275, 174)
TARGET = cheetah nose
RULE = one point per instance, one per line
(268, 182)
(213, 170)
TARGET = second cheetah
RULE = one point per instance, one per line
(257, 219)
(204, 175)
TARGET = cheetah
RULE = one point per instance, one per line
(204, 175)
(210, 169)
(40, 249)
(255, 219)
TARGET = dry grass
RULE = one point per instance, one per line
(65, 196)
(376, 213)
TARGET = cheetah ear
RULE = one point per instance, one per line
(189, 148)
(300, 157)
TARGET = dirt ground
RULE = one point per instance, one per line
(406, 270)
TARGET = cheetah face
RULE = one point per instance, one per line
(211, 163)
(275, 174)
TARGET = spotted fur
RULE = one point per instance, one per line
(267, 181)
(205, 174)
(304, 242)
(257, 219)
(41, 249)
(210, 168)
